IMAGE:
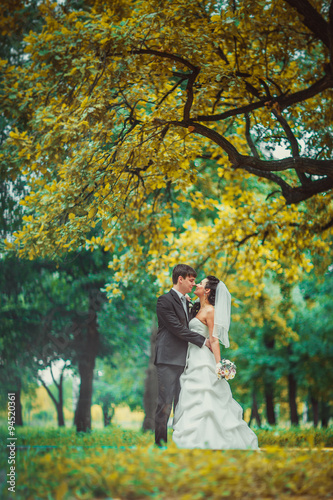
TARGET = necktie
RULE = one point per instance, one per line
(183, 299)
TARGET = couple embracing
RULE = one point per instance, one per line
(187, 354)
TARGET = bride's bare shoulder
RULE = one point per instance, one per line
(209, 314)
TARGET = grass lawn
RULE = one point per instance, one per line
(117, 463)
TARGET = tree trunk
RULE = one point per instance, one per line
(57, 403)
(269, 384)
(324, 413)
(151, 389)
(254, 410)
(60, 414)
(108, 416)
(292, 391)
(83, 410)
(269, 399)
(315, 410)
(60, 406)
(88, 348)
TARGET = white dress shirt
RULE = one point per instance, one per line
(183, 300)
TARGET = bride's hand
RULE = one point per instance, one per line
(207, 344)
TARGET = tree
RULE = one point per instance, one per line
(150, 396)
(151, 130)
(82, 327)
(86, 345)
(104, 396)
(312, 356)
(122, 101)
(20, 316)
(58, 403)
(70, 323)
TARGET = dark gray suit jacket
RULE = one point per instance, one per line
(173, 333)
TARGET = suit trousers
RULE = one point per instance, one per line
(168, 392)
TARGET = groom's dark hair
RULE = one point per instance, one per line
(182, 270)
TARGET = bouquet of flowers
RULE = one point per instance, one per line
(225, 369)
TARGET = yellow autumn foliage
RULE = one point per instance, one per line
(117, 464)
(150, 130)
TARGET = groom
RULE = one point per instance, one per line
(171, 345)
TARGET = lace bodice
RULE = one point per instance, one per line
(197, 326)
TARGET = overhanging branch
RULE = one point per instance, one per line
(301, 164)
(266, 169)
(165, 55)
(311, 18)
(284, 101)
(307, 165)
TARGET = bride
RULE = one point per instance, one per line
(206, 415)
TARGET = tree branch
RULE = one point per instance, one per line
(311, 18)
(283, 101)
(189, 90)
(191, 78)
(285, 187)
(319, 86)
(211, 134)
(294, 195)
(327, 226)
(166, 55)
(48, 391)
(302, 193)
(291, 138)
(308, 165)
(264, 168)
(293, 143)
(52, 374)
(171, 90)
(232, 112)
(249, 138)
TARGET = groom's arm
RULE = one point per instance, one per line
(167, 315)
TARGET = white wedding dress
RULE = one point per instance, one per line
(206, 415)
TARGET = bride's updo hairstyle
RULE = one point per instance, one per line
(211, 285)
